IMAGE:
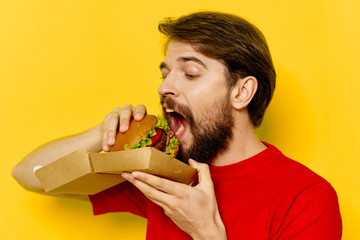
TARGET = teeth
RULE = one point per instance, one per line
(181, 128)
(169, 110)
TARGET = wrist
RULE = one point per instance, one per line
(218, 234)
(94, 136)
(214, 231)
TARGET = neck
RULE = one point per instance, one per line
(244, 144)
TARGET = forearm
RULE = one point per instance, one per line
(24, 171)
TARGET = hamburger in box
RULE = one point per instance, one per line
(147, 146)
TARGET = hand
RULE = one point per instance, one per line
(193, 209)
(119, 118)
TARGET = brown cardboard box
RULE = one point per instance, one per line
(83, 173)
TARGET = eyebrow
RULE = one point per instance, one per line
(185, 59)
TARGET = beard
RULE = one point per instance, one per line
(211, 129)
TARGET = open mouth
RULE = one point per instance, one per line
(178, 122)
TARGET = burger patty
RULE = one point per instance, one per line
(161, 144)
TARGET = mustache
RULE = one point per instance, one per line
(185, 111)
(168, 101)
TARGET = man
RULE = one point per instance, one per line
(218, 79)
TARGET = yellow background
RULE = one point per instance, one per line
(65, 64)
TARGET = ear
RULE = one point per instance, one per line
(243, 91)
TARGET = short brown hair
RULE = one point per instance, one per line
(238, 44)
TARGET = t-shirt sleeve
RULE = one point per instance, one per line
(120, 198)
(314, 214)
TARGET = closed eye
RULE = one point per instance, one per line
(191, 77)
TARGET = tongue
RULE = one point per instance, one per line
(176, 122)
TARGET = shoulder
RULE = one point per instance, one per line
(313, 214)
(292, 170)
(292, 180)
(308, 204)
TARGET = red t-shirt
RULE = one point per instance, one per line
(267, 196)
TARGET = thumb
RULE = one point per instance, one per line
(203, 172)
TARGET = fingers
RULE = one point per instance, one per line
(152, 190)
(125, 117)
(127, 112)
(112, 126)
(119, 120)
(109, 128)
(140, 112)
(203, 173)
(162, 184)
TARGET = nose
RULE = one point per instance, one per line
(168, 88)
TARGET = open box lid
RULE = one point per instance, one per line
(148, 160)
(89, 173)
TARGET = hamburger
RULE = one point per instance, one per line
(151, 131)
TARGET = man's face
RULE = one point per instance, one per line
(195, 100)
